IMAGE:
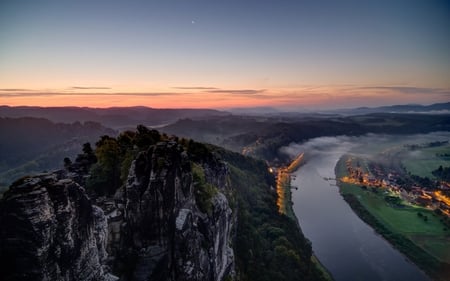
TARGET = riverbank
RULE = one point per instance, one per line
(284, 199)
(285, 204)
(373, 209)
(325, 272)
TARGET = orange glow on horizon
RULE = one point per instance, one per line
(208, 97)
(104, 101)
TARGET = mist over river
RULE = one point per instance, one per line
(346, 246)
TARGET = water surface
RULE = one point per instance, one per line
(348, 247)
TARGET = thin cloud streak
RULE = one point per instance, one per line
(195, 88)
(15, 90)
(237, 92)
(407, 90)
(215, 90)
(37, 94)
(90, 88)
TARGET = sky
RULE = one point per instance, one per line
(224, 53)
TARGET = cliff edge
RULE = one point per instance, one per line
(168, 222)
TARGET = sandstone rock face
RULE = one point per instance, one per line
(51, 230)
(165, 232)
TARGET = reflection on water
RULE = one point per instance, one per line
(348, 247)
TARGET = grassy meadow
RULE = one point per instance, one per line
(423, 161)
(429, 238)
(431, 235)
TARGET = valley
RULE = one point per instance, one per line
(225, 140)
(280, 186)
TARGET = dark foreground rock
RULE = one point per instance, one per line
(155, 230)
(51, 231)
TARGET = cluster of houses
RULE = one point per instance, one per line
(414, 194)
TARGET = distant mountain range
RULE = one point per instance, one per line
(115, 117)
(406, 108)
(129, 117)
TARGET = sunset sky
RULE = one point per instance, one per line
(224, 53)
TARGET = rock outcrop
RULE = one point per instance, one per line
(165, 232)
(156, 230)
(51, 231)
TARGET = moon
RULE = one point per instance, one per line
(193, 22)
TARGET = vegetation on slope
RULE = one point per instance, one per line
(269, 245)
(204, 190)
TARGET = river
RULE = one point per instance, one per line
(346, 246)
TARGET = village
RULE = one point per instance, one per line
(411, 189)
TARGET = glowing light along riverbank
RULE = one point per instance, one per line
(295, 164)
(284, 186)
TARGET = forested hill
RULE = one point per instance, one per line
(114, 117)
(29, 145)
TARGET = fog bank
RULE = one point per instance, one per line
(358, 144)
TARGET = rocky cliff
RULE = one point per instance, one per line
(168, 223)
(164, 231)
(51, 231)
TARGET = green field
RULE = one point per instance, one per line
(423, 161)
(431, 235)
